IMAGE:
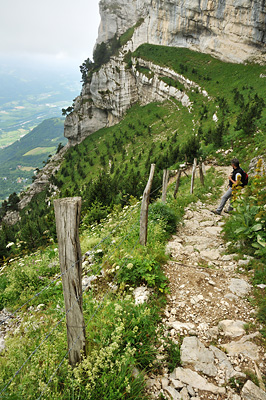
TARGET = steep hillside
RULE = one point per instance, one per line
(196, 114)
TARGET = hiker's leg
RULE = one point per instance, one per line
(224, 199)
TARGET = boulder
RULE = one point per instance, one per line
(225, 365)
(193, 379)
(213, 230)
(210, 254)
(174, 394)
(2, 344)
(232, 328)
(239, 287)
(247, 348)
(181, 326)
(194, 353)
(141, 294)
(252, 392)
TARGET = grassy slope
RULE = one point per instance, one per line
(219, 79)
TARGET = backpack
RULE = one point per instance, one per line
(244, 179)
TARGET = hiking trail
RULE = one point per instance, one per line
(208, 308)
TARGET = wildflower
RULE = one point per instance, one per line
(130, 266)
(10, 244)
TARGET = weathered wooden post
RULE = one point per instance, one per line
(177, 182)
(193, 175)
(203, 169)
(67, 215)
(165, 183)
(145, 208)
(201, 173)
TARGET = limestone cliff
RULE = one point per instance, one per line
(233, 30)
(114, 89)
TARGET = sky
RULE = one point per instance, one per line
(59, 31)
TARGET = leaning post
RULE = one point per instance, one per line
(67, 215)
(165, 183)
(201, 174)
(177, 182)
(145, 208)
(193, 175)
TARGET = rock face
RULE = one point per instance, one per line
(233, 30)
(114, 89)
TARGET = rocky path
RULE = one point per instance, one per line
(209, 312)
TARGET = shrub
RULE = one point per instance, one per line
(160, 211)
(143, 271)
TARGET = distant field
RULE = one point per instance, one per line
(27, 169)
(40, 150)
(7, 138)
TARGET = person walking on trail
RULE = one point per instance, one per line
(232, 180)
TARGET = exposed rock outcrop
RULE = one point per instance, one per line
(233, 30)
(115, 88)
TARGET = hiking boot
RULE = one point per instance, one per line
(228, 211)
(215, 212)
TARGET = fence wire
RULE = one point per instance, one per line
(65, 272)
(61, 320)
(93, 315)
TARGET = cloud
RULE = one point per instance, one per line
(59, 28)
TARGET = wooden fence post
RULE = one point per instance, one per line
(203, 169)
(67, 215)
(201, 173)
(145, 208)
(193, 175)
(177, 182)
(165, 182)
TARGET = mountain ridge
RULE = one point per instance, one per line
(232, 31)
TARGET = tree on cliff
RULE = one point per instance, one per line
(101, 54)
(104, 51)
(85, 68)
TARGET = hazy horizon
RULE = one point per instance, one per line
(52, 34)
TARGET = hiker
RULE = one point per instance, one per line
(232, 179)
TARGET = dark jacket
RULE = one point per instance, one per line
(234, 174)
